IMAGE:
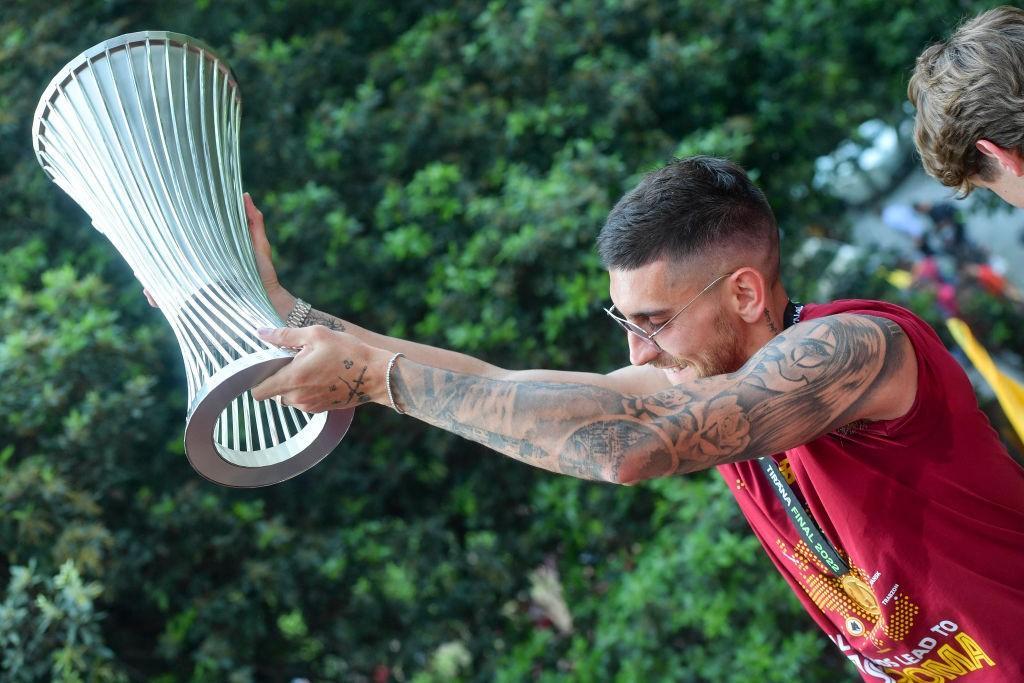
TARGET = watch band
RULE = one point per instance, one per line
(298, 315)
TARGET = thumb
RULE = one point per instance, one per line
(257, 229)
(293, 337)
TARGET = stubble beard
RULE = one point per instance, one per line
(724, 354)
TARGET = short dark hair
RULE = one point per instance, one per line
(689, 208)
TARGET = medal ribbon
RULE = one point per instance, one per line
(801, 519)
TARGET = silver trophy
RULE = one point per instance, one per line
(142, 132)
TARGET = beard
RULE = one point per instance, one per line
(722, 355)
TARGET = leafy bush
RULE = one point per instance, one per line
(438, 172)
(50, 629)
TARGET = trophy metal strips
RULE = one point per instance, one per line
(142, 132)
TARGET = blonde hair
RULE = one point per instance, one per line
(969, 88)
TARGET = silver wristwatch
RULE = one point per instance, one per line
(299, 313)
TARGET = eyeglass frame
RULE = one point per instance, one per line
(648, 337)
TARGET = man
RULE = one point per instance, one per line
(869, 428)
(969, 95)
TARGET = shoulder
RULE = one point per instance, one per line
(907, 319)
(853, 327)
(865, 351)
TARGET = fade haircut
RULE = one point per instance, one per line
(696, 207)
(969, 88)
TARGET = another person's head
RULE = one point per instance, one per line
(697, 227)
(969, 95)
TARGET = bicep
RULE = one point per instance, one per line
(807, 381)
(822, 375)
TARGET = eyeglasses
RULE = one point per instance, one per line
(648, 337)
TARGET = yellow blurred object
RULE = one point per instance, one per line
(900, 279)
(1009, 391)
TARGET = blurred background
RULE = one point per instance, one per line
(440, 171)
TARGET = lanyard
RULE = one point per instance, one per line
(801, 519)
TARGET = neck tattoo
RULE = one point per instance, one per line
(771, 324)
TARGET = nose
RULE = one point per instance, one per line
(640, 351)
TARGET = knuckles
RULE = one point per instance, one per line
(319, 332)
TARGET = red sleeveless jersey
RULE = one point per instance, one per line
(928, 510)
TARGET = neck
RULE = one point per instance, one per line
(776, 314)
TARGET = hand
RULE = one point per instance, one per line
(279, 296)
(332, 370)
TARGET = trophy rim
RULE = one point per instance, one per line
(213, 398)
(123, 40)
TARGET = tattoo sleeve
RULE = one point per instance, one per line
(807, 381)
(316, 317)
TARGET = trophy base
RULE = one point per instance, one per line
(265, 459)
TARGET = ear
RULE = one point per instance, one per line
(749, 293)
(1009, 159)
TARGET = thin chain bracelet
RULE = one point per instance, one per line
(387, 383)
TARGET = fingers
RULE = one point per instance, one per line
(261, 392)
(307, 382)
(272, 387)
(150, 299)
(252, 214)
(260, 244)
(254, 217)
(294, 337)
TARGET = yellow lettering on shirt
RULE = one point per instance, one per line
(947, 664)
(974, 650)
(953, 663)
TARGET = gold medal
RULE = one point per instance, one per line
(861, 593)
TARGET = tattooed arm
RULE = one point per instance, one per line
(622, 427)
(811, 379)
(335, 369)
(314, 383)
(629, 379)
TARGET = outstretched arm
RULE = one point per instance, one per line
(811, 379)
(806, 382)
(628, 379)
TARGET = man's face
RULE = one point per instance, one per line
(1005, 184)
(704, 340)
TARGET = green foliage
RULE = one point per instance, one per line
(439, 172)
(76, 376)
(697, 599)
(49, 629)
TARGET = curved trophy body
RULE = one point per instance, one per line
(142, 132)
